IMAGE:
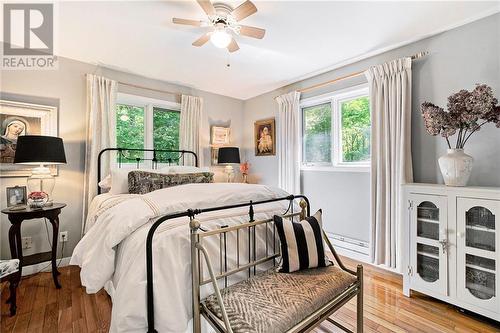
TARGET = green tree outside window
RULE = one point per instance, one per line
(356, 129)
(166, 132)
(130, 130)
(317, 133)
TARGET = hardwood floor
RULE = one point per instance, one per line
(42, 308)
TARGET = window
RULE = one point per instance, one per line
(336, 130)
(355, 127)
(166, 128)
(130, 127)
(317, 133)
(146, 123)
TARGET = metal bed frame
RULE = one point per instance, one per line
(197, 248)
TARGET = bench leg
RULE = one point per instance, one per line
(359, 310)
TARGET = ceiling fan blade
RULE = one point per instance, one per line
(244, 10)
(202, 40)
(253, 32)
(207, 7)
(196, 23)
(233, 46)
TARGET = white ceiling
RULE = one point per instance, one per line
(303, 37)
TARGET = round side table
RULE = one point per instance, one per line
(16, 218)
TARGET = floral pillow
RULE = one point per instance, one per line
(142, 182)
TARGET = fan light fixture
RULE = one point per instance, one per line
(224, 23)
(220, 38)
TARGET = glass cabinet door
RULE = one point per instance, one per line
(477, 246)
(429, 243)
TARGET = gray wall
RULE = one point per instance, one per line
(458, 59)
(66, 89)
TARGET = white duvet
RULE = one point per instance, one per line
(112, 253)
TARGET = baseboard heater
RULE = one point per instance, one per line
(350, 247)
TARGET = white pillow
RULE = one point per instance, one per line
(184, 169)
(105, 184)
(119, 181)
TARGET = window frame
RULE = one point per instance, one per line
(148, 104)
(305, 104)
(335, 99)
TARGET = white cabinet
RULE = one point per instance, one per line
(452, 244)
(429, 260)
(477, 252)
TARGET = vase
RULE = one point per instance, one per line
(456, 167)
(37, 203)
(37, 200)
(245, 178)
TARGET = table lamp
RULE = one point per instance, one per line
(42, 151)
(228, 156)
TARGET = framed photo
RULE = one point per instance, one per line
(265, 137)
(16, 196)
(18, 119)
(221, 136)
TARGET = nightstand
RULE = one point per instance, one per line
(16, 217)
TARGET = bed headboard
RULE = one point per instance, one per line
(155, 156)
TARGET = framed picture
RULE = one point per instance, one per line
(221, 136)
(16, 196)
(18, 119)
(265, 137)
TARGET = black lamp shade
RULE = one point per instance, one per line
(38, 149)
(228, 155)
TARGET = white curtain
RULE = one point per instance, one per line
(289, 142)
(391, 166)
(190, 128)
(101, 125)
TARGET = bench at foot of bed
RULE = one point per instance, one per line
(280, 302)
(269, 302)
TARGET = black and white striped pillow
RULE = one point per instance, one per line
(301, 243)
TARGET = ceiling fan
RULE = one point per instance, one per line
(223, 21)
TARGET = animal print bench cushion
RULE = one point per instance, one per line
(275, 302)
(8, 267)
(142, 182)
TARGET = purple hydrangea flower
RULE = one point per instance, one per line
(467, 112)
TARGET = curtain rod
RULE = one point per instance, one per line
(151, 89)
(327, 83)
(142, 87)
